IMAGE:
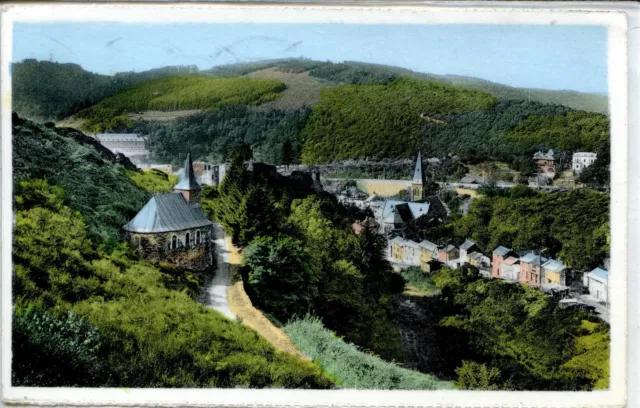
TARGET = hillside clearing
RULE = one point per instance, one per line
(302, 89)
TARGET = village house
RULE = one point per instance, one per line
(582, 160)
(480, 262)
(554, 272)
(411, 253)
(466, 248)
(510, 269)
(448, 255)
(546, 162)
(428, 253)
(173, 228)
(396, 249)
(531, 269)
(499, 255)
(597, 282)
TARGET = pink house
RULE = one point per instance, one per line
(499, 255)
(530, 269)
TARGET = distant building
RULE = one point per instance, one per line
(131, 145)
(209, 174)
(470, 179)
(546, 162)
(531, 269)
(448, 254)
(481, 262)
(554, 272)
(597, 282)
(428, 253)
(499, 255)
(510, 269)
(582, 160)
(466, 248)
(173, 228)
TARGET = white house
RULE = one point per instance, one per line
(597, 281)
(466, 248)
(510, 269)
(411, 253)
(582, 160)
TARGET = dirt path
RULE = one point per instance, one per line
(241, 306)
(215, 294)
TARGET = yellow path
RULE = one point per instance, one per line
(241, 306)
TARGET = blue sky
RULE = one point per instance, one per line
(548, 57)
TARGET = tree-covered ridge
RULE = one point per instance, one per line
(575, 131)
(178, 93)
(93, 183)
(215, 135)
(44, 90)
(379, 121)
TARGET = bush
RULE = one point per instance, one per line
(352, 367)
(50, 352)
(417, 278)
(474, 376)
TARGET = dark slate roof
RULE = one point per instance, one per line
(405, 212)
(167, 212)
(467, 245)
(188, 178)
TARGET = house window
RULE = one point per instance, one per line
(186, 241)
(174, 242)
(197, 237)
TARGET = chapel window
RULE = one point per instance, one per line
(174, 242)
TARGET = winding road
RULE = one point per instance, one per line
(214, 294)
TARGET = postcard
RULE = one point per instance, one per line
(313, 205)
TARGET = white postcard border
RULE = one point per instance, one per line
(223, 13)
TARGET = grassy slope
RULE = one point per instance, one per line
(302, 89)
(352, 367)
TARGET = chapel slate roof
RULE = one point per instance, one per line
(188, 178)
(167, 212)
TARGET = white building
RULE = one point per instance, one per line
(597, 281)
(510, 269)
(131, 145)
(582, 160)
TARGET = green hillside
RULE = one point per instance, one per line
(48, 91)
(352, 72)
(380, 121)
(86, 315)
(178, 93)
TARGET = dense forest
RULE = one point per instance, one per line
(49, 91)
(272, 135)
(90, 314)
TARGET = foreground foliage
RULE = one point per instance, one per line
(518, 337)
(352, 367)
(132, 324)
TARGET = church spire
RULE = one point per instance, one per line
(418, 175)
(188, 185)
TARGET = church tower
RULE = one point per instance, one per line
(418, 182)
(188, 185)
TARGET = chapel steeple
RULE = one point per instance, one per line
(188, 185)
(418, 182)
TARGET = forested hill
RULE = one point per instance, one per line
(352, 72)
(45, 90)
